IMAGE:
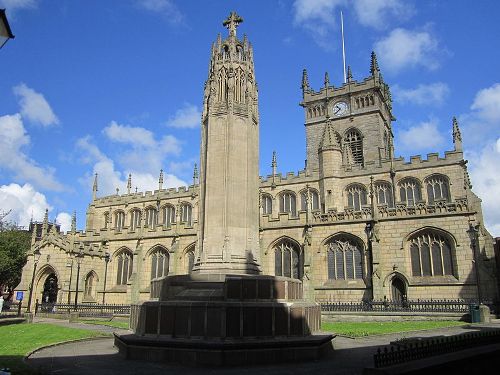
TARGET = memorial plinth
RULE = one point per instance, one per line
(225, 320)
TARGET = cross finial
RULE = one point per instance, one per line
(232, 22)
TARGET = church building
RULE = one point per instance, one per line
(355, 224)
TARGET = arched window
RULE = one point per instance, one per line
(168, 215)
(312, 198)
(409, 190)
(437, 188)
(124, 261)
(119, 220)
(189, 259)
(354, 141)
(344, 257)
(151, 217)
(187, 214)
(159, 263)
(430, 254)
(287, 259)
(356, 196)
(267, 204)
(383, 192)
(106, 220)
(288, 203)
(135, 219)
(90, 283)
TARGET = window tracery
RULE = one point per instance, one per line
(287, 260)
(430, 254)
(344, 259)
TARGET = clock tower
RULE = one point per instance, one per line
(359, 113)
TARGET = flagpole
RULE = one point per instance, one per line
(343, 47)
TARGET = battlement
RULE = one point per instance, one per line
(289, 177)
(348, 88)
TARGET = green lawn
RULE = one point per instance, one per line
(111, 323)
(20, 339)
(358, 329)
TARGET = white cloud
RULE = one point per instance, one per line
(186, 117)
(404, 48)
(433, 94)
(64, 219)
(34, 106)
(135, 136)
(380, 13)
(483, 167)
(25, 203)
(109, 178)
(321, 17)
(487, 103)
(14, 138)
(13, 5)
(164, 7)
(423, 136)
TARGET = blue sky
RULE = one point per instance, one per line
(116, 87)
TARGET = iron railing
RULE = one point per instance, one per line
(405, 351)
(11, 309)
(423, 306)
(84, 309)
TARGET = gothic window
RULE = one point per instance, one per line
(383, 192)
(437, 188)
(287, 260)
(354, 142)
(409, 191)
(168, 215)
(430, 254)
(106, 220)
(159, 263)
(288, 203)
(189, 259)
(239, 86)
(124, 262)
(267, 204)
(225, 53)
(313, 199)
(344, 258)
(90, 281)
(222, 80)
(356, 196)
(151, 217)
(119, 220)
(135, 219)
(187, 214)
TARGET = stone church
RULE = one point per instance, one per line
(355, 224)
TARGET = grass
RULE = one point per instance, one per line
(359, 329)
(20, 339)
(123, 324)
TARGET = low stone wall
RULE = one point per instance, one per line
(344, 316)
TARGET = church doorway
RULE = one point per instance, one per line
(49, 294)
(398, 290)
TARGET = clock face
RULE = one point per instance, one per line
(340, 108)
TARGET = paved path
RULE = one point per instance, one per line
(100, 357)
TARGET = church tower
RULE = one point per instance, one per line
(360, 113)
(228, 238)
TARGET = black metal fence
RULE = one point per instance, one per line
(84, 309)
(11, 309)
(410, 351)
(423, 306)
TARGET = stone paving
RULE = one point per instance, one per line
(100, 357)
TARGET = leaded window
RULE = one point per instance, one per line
(344, 257)
(267, 204)
(168, 215)
(124, 266)
(187, 214)
(437, 188)
(310, 196)
(151, 217)
(354, 142)
(159, 263)
(356, 197)
(430, 255)
(383, 192)
(288, 203)
(409, 190)
(287, 260)
(135, 219)
(119, 220)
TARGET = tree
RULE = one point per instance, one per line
(14, 246)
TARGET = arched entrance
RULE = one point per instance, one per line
(49, 294)
(398, 290)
